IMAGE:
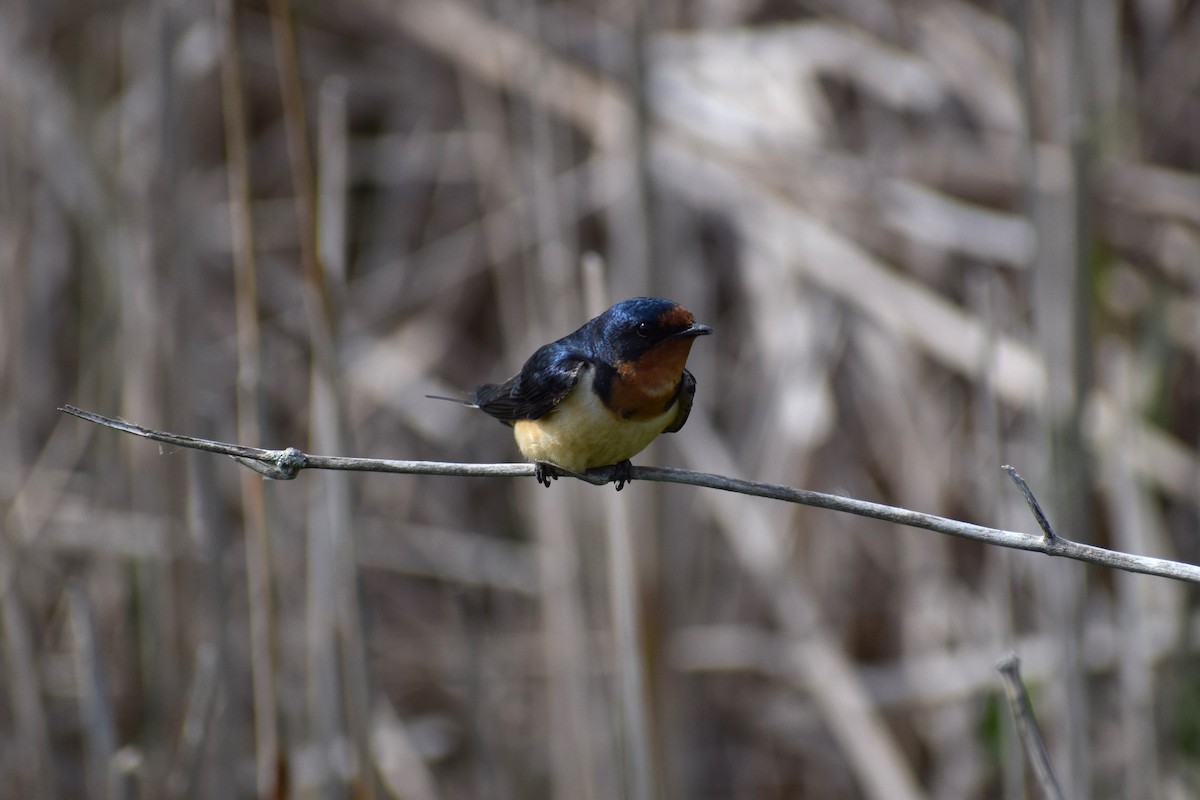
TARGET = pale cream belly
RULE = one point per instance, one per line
(582, 434)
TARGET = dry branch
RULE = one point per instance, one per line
(286, 464)
(1027, 727)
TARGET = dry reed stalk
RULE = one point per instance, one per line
(847, 196)
(271, 762)
(338, 694)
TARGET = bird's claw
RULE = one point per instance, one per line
(622, 473)
(545, 472)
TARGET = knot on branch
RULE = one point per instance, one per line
(290, 462)
(278, 465)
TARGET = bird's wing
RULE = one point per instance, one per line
(547, 377)
(687, 391)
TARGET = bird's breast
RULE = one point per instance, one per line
(582, 432)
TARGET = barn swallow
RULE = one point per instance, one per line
(598, 396)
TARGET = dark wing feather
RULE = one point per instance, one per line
(547, 377)
(687, 391)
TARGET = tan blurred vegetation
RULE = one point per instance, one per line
(933, 237)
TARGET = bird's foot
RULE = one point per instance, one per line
(545, 472)
(621, 472)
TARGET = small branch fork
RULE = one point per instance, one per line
(287, 463)
(1034, 505)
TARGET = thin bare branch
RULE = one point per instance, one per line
(1027, 727)
(286, 464)
(1034, 505)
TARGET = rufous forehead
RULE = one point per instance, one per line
(677, 317)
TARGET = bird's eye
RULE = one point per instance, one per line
(643, 329)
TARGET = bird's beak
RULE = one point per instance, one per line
(695, 329)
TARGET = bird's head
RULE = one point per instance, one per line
(635, 328)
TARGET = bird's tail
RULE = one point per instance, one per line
(468, 401)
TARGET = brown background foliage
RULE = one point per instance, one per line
(933, 237)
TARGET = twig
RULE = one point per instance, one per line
(286, 464)
(1027, 727)
(1034, 505)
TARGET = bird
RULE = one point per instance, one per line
(598, 396)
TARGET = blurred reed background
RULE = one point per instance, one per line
(933, 237)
